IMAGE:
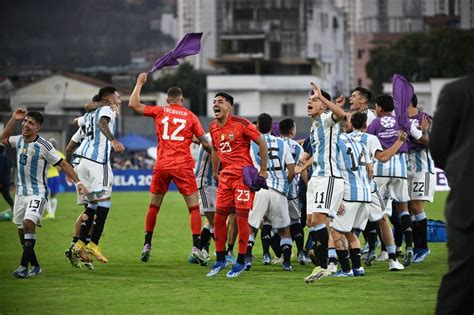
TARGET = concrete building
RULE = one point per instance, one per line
(168, 25)
(467, 14)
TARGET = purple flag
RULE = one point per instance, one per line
(189, 45)
(253, 181)
(402, 92)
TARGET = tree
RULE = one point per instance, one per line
(440, 53)
(191, 82)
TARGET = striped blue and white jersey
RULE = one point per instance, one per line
(33, 160)
(324, 136)
(296, 151)
(96, 147)
(420, 161)
(279, 155)
(355, 157)
(77, 137)
(203, 171)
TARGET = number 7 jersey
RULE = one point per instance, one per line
(175, 126)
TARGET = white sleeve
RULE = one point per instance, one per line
(374, 145)
(287, 156)
(252, 155)
(328, 119)
(106, 111)
(77, 137)
(12, 140)
(415, 132)
(50, 155)
(81, 121)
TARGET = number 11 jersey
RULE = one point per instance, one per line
(175, 126)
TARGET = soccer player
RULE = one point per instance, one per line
(358, 122)
(391, 177)
(288, 132)
(421, 181)
(34, 155)
(326, 186)
(273, 203)
(175, 126)
(359, 100)
(53, 185)
(231, 137)
(95, 170)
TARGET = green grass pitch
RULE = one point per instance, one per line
(169, 284)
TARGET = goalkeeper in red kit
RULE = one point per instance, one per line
(231, 138)
(175, 127)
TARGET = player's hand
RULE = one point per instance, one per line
(298, 169)
(341, 210)
(402, 136)
(118, 147)
(81, 189)
(215, 175)
(425, 123)
(263, 173)
(19, 114)
(69, 180)
(316, 90)
(341, 101)
(142, 78)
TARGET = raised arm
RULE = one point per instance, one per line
(104, 128)
(134, 102)
(384, 156)
(337, 112)
(19, 114)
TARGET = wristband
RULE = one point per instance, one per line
(78, 183)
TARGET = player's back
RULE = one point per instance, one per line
(419, 157)
(175, 126)
(354, 157)
(296, 151)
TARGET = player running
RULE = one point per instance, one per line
(175, 127)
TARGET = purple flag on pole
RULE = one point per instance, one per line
(189, 45)
(402, 92)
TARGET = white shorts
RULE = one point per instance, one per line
(272, 205)
(28, 207)
(324, 195)
(98, 179)
(392, 187)
(377, 207)
(421, 186)
(294, 209)
(207, 199)
(355, 216)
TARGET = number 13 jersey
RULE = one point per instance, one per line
(175, 126)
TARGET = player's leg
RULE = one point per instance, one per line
(250, 244)
(232, 231)
(342, 250)
(102, 211)
(265, 237)
(332, 254)
(296, 229)
(387, 238)
(354, 245)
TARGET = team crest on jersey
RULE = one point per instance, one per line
(387, 122)
(24, 150)
(231, 136)
(223, 137)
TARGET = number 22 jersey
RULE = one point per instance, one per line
(175, 126)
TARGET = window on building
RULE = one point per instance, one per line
(360, 53)
(243, 14)
(359, 82)
(288, 109)
(236, 108)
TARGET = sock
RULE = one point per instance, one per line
(88, 239)
(407, 228)
(220, 255)
(343, 256)
(285, 245)
(371, 230)
(265, 237)
(86, 224)
(275, 243)
(416, 232)
(244, 230)
(74, 241)
(197, 241)
(355, 258)
(250, 244)
(392, 252)
(230, 249)
(54, 205)
(398, 232)
(148, 238)
(29, 255)
(297, 234)
(195, 221)
(205, 237)
(150, 219)
(220, 230)
(321, 239)
(422, 225)
(332, 255)
(101, 217)
(309, 241)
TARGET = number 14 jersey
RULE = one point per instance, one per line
(175, 126)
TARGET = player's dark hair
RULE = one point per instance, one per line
(286, 125)
(174, 92)
(414, 100)
(385, 101)
(227, 97)
(37, 116)
(264, 122)
(358, 120)
(323, 93)
(365, 93)
(103, 93)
